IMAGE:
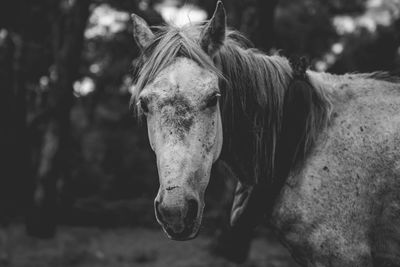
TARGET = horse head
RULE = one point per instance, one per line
(181, 106)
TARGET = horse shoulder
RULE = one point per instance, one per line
(327, 207)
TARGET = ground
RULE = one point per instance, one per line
(122, 247)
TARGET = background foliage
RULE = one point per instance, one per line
(74, 154)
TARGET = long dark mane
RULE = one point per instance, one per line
(259, 99)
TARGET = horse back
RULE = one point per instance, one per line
(341, 207)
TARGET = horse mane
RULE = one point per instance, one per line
(391, 77)
(252, 103)
(260, 102)
(272, 111)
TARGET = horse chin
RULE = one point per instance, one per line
(182, 236)
(188, 233)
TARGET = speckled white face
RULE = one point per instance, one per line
(185, 132)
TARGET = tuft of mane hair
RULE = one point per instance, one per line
(391, 77)
(169, 43)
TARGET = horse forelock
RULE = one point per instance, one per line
(169, 43)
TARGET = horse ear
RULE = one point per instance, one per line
(213, 35)
(141, 32)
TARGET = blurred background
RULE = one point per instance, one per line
(78, 178)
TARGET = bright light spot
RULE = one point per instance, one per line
(68, 4)
(330, 59)
(3, 33)
(398, 51)
(374, 3)
(94, 68)
(143, 5)
(181, 16)
(337, 48)
(44, 82)
(127, 85)
(384, 18)
(344, 24)
(368, 23)
(321, 66)
(132, 88)
(106, 21)
(395, 8)
(83, 87)
(53, 73)
(378, 13)
(168, 12)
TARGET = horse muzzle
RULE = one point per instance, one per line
(178, 215)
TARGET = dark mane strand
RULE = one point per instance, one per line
(306, 111)
(252, 104)
(391, 77)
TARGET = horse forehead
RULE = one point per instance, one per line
(185, 76)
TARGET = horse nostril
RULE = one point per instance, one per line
(191, 214)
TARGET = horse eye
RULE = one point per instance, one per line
(212, 101)
(143, 105)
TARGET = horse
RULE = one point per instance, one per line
(317, 154)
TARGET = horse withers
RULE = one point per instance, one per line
(318, 154)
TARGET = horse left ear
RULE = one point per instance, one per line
(141, 32)
(213, 35)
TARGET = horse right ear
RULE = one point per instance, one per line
(213, 35)
(141, 32)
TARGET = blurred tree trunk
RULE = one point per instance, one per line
(70, 20)
(14, 144)
(257, 21)
(7, 50)
(14, 137)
